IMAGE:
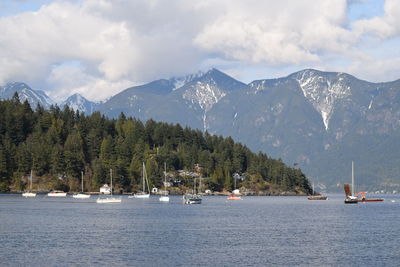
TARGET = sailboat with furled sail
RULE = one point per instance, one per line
(29, 193)
(145, 182)
(350, 197)
(110, 199)
(165, 197)
(81, 195)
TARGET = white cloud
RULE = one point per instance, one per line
(385, 26)
(119, 43)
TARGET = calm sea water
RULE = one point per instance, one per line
(257, 231)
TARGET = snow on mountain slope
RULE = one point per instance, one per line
(323, 91)
(78, 102)
(34, 97)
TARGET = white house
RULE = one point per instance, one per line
(105, 189)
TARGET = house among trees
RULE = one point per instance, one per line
(105, 189)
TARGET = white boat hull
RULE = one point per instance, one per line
(57, 194)
(109, 200)
(140, 196)
(81, 196)
(29, 194)
(164, 199)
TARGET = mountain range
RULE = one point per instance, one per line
(313, 120)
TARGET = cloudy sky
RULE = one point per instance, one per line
(99, 47)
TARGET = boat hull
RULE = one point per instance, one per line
(108, 200)
(81, 196)
(317, 197)
(350, 201)
(29, 194)
(140, 196)
(164, 199)
(233, 197)
(191, 199)
(57, 194)
(371, 200)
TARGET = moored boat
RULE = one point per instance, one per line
(29, 193)
(81, 195)
(317, 197)
(145, 182)
(191, 199)
(349, 192)
(165, 197)
(110, 199)
(57, 193)
(233, 197)
(363, 198)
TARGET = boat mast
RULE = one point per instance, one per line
(165, 178)
(111, 180)
(144, 170)
(31, 181)
(352, 178)
(82, 180)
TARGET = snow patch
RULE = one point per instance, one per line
(323, 92)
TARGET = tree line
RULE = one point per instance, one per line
(59, 144)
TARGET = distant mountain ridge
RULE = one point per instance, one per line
(319, 121)
(34, 97)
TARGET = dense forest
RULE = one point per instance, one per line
(59, 145)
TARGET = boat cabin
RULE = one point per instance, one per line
(105, 189)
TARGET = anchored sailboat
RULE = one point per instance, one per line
(192, 198)
(350, 197)
(110, 199)
(29, 193)
(81, 194)
(234, 196)
(145, 183)
(316, 197)
(165, 197)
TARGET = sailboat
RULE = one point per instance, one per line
(145, 182)
(110, 199)
(192, 198)
(316, 197)
(29, 193)
(81, 194)
(165, 197)
(233, 196)
(350, 197)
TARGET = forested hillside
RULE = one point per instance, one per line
(60, 144)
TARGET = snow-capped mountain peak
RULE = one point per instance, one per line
(34, 97)
(323, 91)
(78, 102)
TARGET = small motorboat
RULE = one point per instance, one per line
(233, 197)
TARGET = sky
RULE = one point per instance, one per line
(98, 48)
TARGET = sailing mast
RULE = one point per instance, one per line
(352, 178)
(111, 191)
(31, 182)
(82, 180)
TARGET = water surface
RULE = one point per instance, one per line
(257, 231)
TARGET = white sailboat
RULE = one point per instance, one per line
(110, 199)
(234, 195)
(165, 197)
(81, 195)
(29, 193)
(145, 182)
